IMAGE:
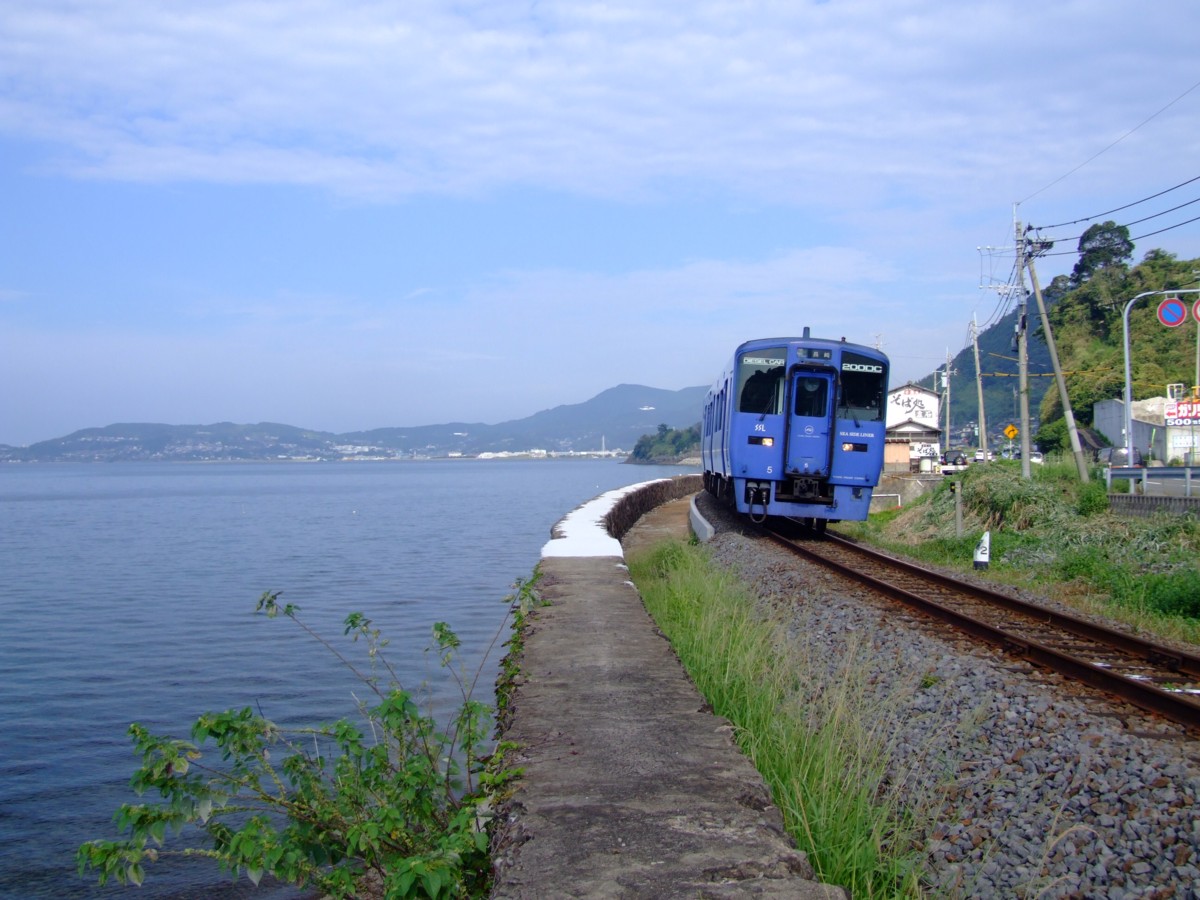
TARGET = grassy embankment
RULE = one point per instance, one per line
(817, 740)
(1055, 536)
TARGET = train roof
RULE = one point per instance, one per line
(806, 339)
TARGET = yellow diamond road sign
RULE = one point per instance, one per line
(1011, 432)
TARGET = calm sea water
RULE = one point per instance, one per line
(127, 593)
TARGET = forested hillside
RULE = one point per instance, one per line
(1086, 316)
(998, 361)
(1085, 311)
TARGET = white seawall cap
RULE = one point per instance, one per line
(582, 531)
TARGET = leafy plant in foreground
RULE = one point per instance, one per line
(397, 810)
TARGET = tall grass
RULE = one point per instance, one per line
(815, 733)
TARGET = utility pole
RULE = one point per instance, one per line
(1023, 358)
(983, 445)
(1027, 254)
(1196, 383)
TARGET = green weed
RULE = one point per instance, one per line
(396, 806)
(814, 736)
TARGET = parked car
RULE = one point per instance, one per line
(1035, 456)
(1118, 456)
(954, 458)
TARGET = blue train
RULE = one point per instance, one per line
(795, 427)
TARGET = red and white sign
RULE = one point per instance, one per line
(1183, 412)
(1172, 312)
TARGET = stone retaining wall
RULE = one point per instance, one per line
(633, 506)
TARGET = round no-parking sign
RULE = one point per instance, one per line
(1172, 312)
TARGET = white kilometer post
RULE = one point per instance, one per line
(983, 550)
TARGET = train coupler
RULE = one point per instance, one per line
(757, 495)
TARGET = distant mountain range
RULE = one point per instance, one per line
(611, 420)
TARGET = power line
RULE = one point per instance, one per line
(1168, 228)
(1163, 213)
(1113, 144)
(1046, 374)
(1138, 237)
(1040, 228)
(1004, 291)
(1126, 206)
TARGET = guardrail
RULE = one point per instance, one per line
(1189, 475)
(1141, 506)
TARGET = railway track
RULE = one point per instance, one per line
(1156, 678)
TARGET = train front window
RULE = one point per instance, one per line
(864, 383)
(760, 381)
(812, 396)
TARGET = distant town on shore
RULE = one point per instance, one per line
(609, 424)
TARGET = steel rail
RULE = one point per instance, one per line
(1166, 657)
(1174, 705)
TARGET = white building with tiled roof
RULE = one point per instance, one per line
(912, 429)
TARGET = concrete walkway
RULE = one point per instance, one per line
(630, 787)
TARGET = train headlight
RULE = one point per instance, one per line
(768, 442)
(762, 440)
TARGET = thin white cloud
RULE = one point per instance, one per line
(803, 100)
(340, 364)
(875, 144)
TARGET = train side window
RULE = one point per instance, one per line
(812, 396)
(760, 381)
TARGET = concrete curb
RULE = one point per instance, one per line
(630, 787)
(700, 526)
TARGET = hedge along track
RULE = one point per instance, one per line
(1156, 678)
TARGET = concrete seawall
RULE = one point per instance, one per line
(630, 786)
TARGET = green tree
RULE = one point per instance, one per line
(1102, 246)
(667, 443)
(1052, 438)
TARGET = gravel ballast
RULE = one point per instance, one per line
(1047, 790)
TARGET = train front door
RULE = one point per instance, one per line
(809, 422)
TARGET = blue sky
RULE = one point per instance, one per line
(346, 215)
